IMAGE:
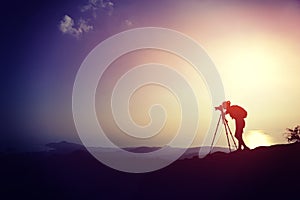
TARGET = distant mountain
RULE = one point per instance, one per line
(67, 147)
(141, 149)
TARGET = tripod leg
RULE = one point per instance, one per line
(231, 136)
(226, 131)
(215, 134)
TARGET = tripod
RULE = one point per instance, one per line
(227, 130)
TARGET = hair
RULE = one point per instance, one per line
(226, 103)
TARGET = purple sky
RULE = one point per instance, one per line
(46, 41)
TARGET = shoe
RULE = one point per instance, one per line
(246, 148)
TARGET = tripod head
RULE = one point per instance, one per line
(221, 109)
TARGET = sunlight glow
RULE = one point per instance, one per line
(256, 138)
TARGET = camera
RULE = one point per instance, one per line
(220, 108)
(224, 105)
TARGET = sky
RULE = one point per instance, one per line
(255, 46)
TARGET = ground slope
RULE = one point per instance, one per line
(264, 172)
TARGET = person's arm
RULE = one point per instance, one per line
(223, 116)
(225, 113)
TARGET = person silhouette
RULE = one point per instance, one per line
(238, 114)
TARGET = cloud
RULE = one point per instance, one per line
(67, 26)
(83, 26)
(98, 5)
(128, 22)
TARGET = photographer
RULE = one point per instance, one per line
(238, 114)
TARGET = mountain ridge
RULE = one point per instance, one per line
(68, 147)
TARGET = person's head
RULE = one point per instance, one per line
(226, 104)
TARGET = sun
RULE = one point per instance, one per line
(256, 138)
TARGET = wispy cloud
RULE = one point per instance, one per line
(128, 22)
(96, 6)
(67, 26)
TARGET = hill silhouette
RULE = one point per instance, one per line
(264, 172)
(67, 147)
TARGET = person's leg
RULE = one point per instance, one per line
(240, 125)
(238, 137)
(245, 147)
(238, 133)
(240, 144)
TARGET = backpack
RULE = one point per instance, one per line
(237, 112)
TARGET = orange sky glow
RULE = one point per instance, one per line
(255, 48)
